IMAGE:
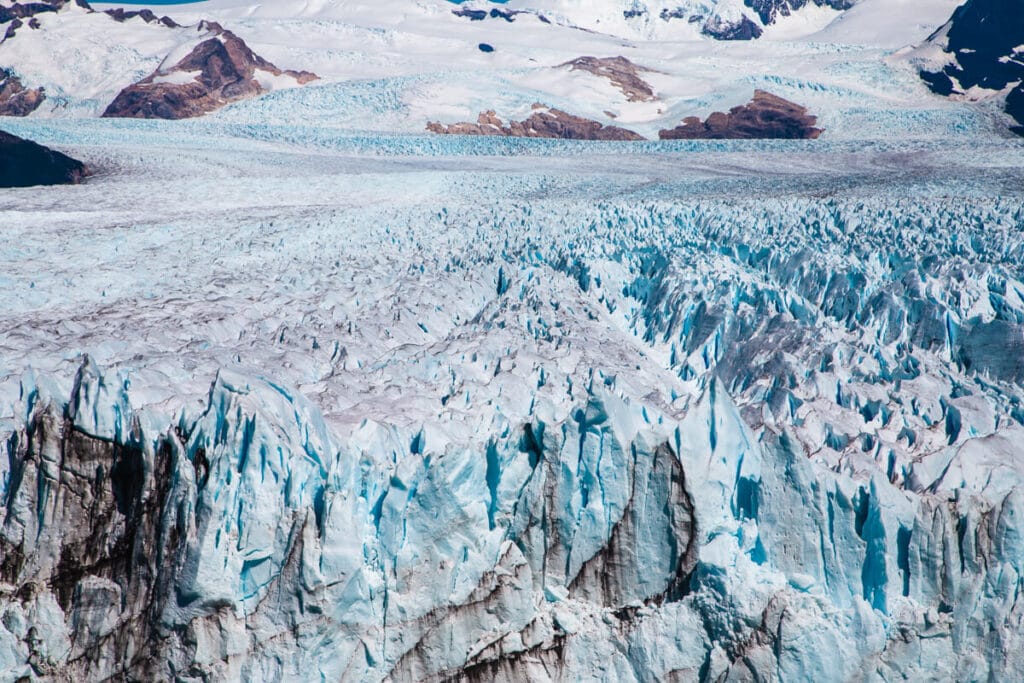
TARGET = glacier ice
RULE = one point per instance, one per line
(564, 414)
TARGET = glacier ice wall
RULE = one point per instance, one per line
(551, 426)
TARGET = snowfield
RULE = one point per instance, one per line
(422, 408)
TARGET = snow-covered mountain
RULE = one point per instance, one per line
(396, 65)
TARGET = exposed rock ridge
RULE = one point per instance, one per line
(121, 15)
(15, 98)
(984, 45)
(765, 116)
(623, 74)
(770, 10)
(24, 163)
(219, 70)
(544, 122)
(723, 29)
(16, 12)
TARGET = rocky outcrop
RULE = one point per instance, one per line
(119, 14)
(481, 14)
(15, 98)
(544, 122)
(1015, 108)
(623, 74)
(24, 163)
(722, 29)
(984, 45)
(219, 70)
(770, 10)
(25, 10)
(765, 116)
(17, 15)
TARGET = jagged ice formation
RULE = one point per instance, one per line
(621, 420)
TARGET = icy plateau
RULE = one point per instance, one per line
(295, 391)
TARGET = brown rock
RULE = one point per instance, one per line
(225, 71)
(623, 74)
(15, 98)
(542, 123)
(765, 116)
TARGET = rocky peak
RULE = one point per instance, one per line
(770, 10)
(119, 14)
(219, 70)
(984, 45)
(15, 98)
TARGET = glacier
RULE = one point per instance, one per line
(305, 404)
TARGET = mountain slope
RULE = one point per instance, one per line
(982, 46)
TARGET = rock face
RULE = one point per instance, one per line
(724, 29)
(18, 14)
(766, 116)
(984, 45)
(15, 98)
(623, 74)
(27, 10)
(770, 10)
(718, 19)
(1015, 108)
(542, 123)
(24, 163)
(221, 69)
(119, 14)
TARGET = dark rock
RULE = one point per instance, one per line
(501, 14)
(484, 47)
(16, 12)
(481, 14)
(120, 15)
(471, 14)
(24, 164)
(770, 10)
(226, 67)
(15, 98)
(766, 116)
(981, 39)
(623, 74)
(719, 29)
(24, 11)
(1015, 108)
(542, 123)
(12, 28)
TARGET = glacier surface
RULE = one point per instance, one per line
(287, 403)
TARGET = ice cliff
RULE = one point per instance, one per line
(547, 439)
